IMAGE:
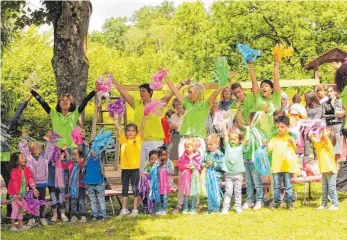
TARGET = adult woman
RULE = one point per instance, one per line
(330, 109)
(284, 102)
(175, 125)
(153, 134)
(267, 98)
(341, 88)
(194, 120)
(226, 99)
(65, 115)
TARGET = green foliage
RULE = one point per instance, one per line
(186, 41)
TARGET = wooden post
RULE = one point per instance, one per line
(316, 72)
(95, 120)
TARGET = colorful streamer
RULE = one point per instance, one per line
(32, 80)
(248, 54)
(221, 74)
(144, 190)
(164, 181)
(154, 194)
(262, 162)
(117, 108)
(104, 84)
(214, 192)
(74, 181)
(77, 136)
(281, 51)
(158, 79)
(103, 141)
(155, 107)
(195, 186)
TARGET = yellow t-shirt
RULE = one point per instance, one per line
(284, 158)
(130, 152)
(153, 130)
(325, 155)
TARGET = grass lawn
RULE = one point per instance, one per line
(303, 223)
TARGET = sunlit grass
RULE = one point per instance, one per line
(303, 223)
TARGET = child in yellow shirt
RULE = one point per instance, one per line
(283, 150)
(130, 154)
(327, 167)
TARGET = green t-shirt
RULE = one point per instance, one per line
(153, 129)
(343, 97)
(246, 106)
(64, 126)
(233, 162)
(194, 119)
(274, 101)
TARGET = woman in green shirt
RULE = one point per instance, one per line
(267, 98)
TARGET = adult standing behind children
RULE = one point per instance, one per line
(153, 132)
(268, 97)
(65, 115)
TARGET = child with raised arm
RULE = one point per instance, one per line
(284, 161)
(327, 167)
(213, 161)
(234, 168)
(131, 141)
(37, 161)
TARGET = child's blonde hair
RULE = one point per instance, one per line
(237, 131)
(189, 142)
(213, 138)
(34, 144)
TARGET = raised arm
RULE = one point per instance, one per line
(129, 99)
(143, 123)
(41, 101)
(118, 128)
(13, 123)
(174, 90)
(277, 87)
(225, 133)
(167, 98)
(23, 147)
(214, 95)
(85, 101)
(255, 87)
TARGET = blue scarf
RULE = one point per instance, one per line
(74, 181)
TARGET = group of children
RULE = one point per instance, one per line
(199, 175)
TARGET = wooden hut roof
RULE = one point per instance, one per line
(334, 55)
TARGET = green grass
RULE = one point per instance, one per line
(303, 223)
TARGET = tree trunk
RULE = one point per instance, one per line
(70, 63)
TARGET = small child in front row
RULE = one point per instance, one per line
(213, 160)
(131, 142)
(144, 185)
(284, 161)
(21, 177)
(165, 170)
(77, 189)
(93, 176)
(189, 165)
(234, 168)
(327, 167)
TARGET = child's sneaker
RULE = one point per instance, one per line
(124, 212)
(63, 216)
(102, 219)
(177, 210)
(94, 219)
(163, 213)
(290, 206)
(192, 212)
(321, 207)
(247, 205)
(83, 219)
(54, 215)
(258, 206)
(23, 228)
(43, 221)
(333, 208)
(13, 229)
(238, 210)
(274, 205)
(73, 219)
(134, 213)
(31, 222)
(225, 212)
(185, 212)
(158, 213)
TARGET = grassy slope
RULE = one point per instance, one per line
(302, 223)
